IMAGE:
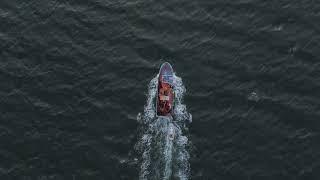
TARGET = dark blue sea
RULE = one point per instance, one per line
(74, 75)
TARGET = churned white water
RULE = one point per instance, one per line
(163, 142)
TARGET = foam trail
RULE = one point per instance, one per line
(163, 145)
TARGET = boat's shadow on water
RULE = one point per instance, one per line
(163, 141)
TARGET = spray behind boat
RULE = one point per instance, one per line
(163, 145)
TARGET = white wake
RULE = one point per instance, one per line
(163, 142)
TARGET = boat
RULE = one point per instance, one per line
(165, 93)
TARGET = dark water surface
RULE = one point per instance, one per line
(74, 75)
